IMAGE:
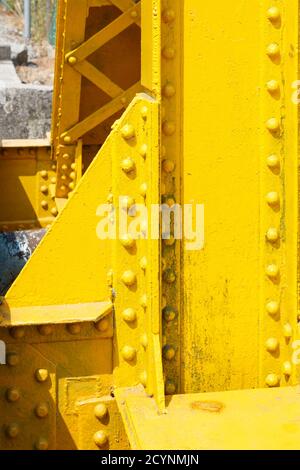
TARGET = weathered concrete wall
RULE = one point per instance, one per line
(25, 111)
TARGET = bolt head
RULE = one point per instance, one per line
(12, 430)
(100, 411)
(287, 368)
(169, 352)
(272, 270)
(41, 375)
(144, 341)
(273, 86)
(102, 325)
(143, 189)
(287, 331)
(168, 15)
(272, 234)
(127, 241)
(169, 128)
(129, 278)
(169, 276)
(168, 166)
(143, 150)
(144, 301)
(273, 161)
(128, 165)
(272, 380)
(273, 124)
(273, 198)
(42, 410)
(272, 344)
(128, 132)
(273, 50)
(272, 307)
(100, 438)
(45, 330)
(42, 444)
(17, 332)
(170, 387)
(67, 139)
(169, 313)
(168, 53)
(143, 263)
(129, 315)
(128, 353)
(74, 328)
(12, 359)
(13, 394)
(72, 60)
(273, 13)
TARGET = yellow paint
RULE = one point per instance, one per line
(236, 420)
(208, 119)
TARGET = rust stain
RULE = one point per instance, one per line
(211, 406)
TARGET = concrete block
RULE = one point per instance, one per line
(5, 52)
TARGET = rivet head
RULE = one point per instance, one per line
(168, 128)
(144, 301)
(273, 50)
(41, 375)
(287, 368)
(272, 380)
(169, 276)
(143, 263)
(45, 330)
(134, 14)
(127, 202)
(143, 378)
(143, 150)
(102, 325)
(13, 394)
(170, 387)
(168, 53)
(72, 175)
(100, 438)
(272, 307)
(42, 444)
(67, 139)
(168, 90)
(44, 189)
(272, 344)
(273, 161)
(42, 410)
(72, 60)
(71, 185)
(74, 328)
(169, 313)
(272, 270)
(272, 234)
(143, 189)
(12, 359)
(273, 13)
(168, 166)
(127, 240)
(144, 341)
(128, 132)
(129, 315)
(54, 211)
(66, 156)
(273, 86)
(128, 353)
(169, 352)
(273, 198)
(168, 15)
(12, 430)
(17, 332)
(128, 165)
(288, 331)
(100, 411)
(144, 112)
(44, 204)
(129, 278)
(44, 174)
(273, 124)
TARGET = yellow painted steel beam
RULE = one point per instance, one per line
(259, 419)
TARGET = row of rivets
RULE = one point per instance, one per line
(169, 128)
(273, 125)
(130, 278)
